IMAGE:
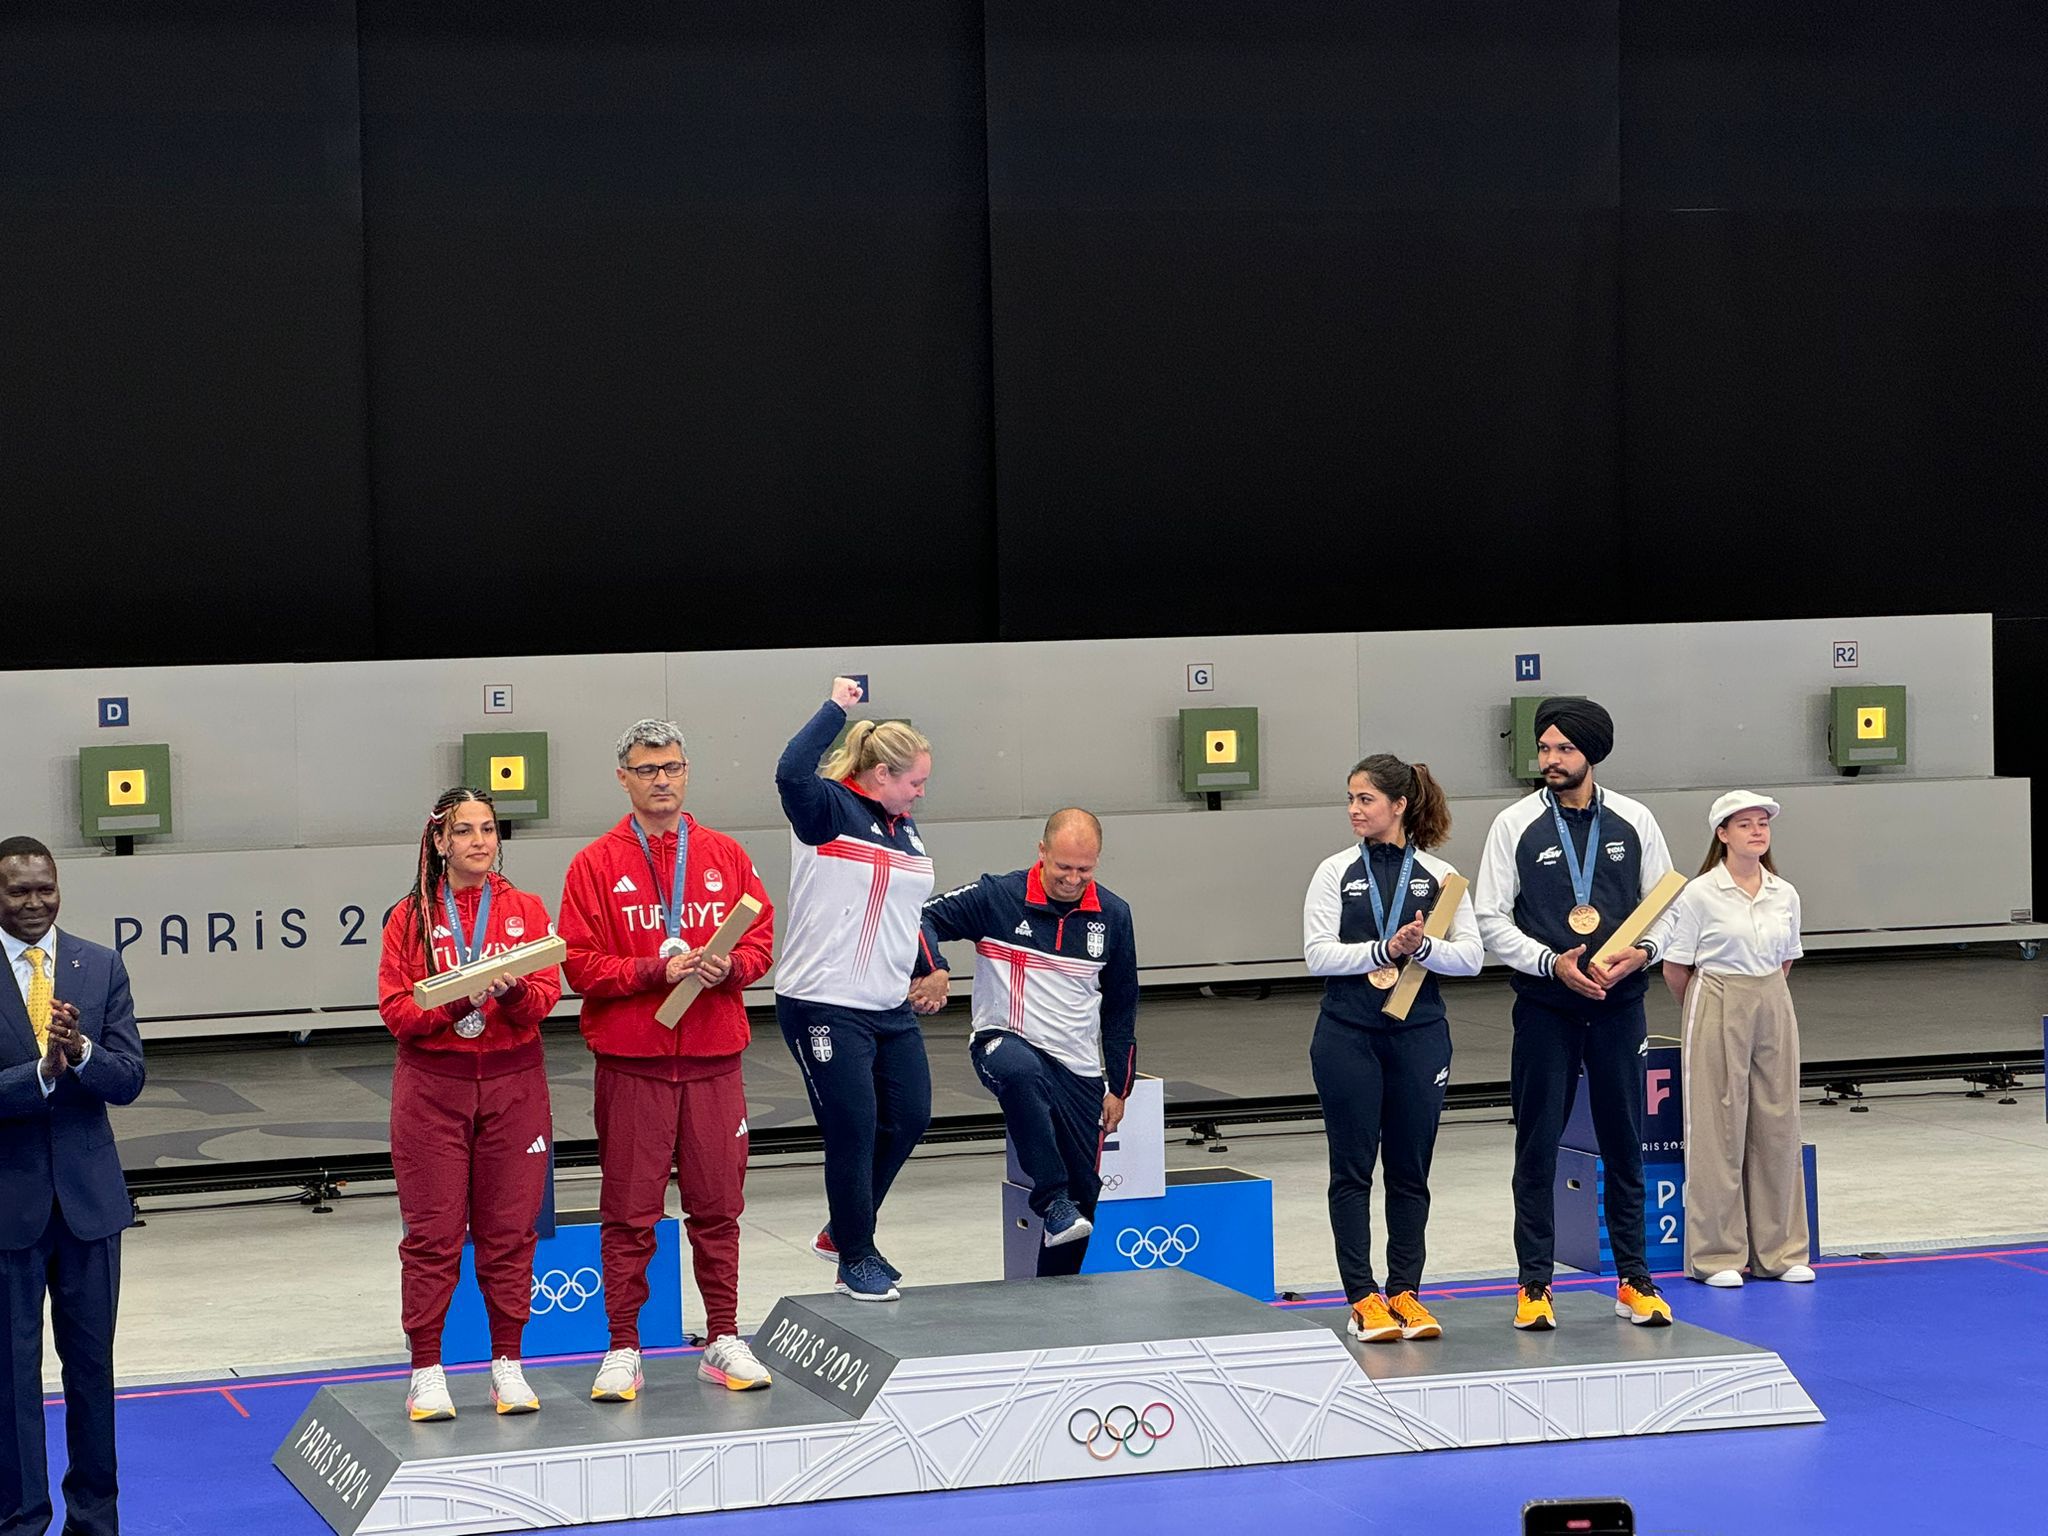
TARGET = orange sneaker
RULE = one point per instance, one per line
(1416, 1323)
(1371, 1321)
(1532, 1307)
(1639, 1301)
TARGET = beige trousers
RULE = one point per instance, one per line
(1745, 1192)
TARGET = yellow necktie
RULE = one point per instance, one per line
(39, 994)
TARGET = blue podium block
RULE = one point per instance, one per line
(568, 1297)
(1212, 1222)
(1580, 1198)
(1663, 1110)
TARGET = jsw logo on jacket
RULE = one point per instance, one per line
(1341, 936)
(857, 879)
(1062, 976)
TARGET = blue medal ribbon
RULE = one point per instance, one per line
(1372, 889)
(671, 904)
(1581, 869)
(470, 946)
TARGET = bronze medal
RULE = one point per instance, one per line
(1385, 977)
(1583, 919)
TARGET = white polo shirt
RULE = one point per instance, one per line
(1715, 925)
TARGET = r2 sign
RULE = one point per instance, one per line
(1845, 653)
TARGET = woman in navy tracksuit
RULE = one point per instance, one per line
(1382, 1080)
(858, 879)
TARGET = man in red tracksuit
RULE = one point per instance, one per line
(638, 907)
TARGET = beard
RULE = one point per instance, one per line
(1557, 779)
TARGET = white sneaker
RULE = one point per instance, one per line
(1725, 1279)
(509, 1390)
(427, 1398)
(1799, 1274)
(732, 1365)
(618, 1377)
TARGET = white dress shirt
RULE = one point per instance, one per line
(1715, 925)
(24, 973)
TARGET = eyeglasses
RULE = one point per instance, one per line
(647, 773)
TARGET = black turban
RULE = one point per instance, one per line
(1585, 725)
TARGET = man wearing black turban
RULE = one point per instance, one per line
(1582, 723)
(1561, 870)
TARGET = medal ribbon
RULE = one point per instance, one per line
(671, 904)
(1581, 869)
(468, 947)
(1372, 890)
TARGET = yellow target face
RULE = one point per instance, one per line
(1870, 723)
(127, 786)
(507, 773)
(1220, 747)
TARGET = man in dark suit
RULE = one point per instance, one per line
(68, 1049)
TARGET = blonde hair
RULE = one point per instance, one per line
(876, 741)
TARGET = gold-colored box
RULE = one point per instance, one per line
(1220, 747)
(467, 980)
(1870, 723)
(508, 774)
(1434, 926)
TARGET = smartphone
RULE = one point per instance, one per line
(1578, 1517)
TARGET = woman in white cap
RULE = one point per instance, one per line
(1731, 936)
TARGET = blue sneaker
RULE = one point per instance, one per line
(823, 1246)
(1064, 1223)
(866, 1280)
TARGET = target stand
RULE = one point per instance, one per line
(1011, 1382)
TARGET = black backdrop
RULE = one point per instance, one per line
(743, 323)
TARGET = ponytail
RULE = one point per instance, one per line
(869, 742)
(1427, 821)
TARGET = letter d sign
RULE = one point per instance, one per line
(113, 711)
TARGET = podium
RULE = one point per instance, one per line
(1007, 1382)
(568, 1316)
(1579, 1195)
(1213, 1222)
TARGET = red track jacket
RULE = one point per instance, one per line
(611, 918)
(511, 1037)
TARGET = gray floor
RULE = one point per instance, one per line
(210, 1292)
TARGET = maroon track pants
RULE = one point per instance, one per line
(471, 1157)
(646, 1126)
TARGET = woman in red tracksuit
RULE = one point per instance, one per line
(470, 1126)
(639, 905)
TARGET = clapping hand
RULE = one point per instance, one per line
(1407, 939)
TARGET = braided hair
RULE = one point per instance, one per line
(433, 865)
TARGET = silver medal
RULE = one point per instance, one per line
(671, 948)
(470, 1025)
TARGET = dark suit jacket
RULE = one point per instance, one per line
(61, 1147)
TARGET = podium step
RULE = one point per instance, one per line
(1014, 1382)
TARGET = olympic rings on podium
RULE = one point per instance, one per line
(1120, 1434)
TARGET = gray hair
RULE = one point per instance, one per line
(649, 733)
